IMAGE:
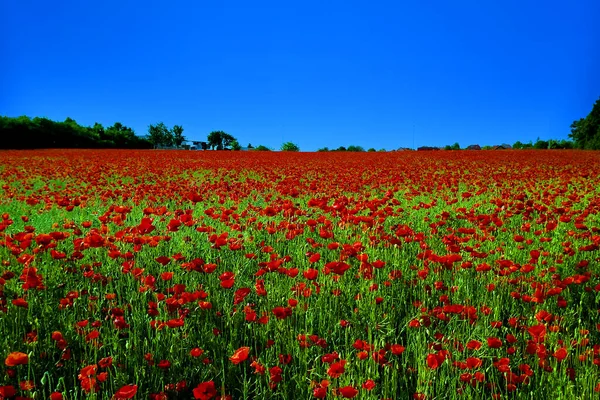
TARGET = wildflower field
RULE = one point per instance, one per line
(261, 275)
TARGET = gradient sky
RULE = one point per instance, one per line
(384, 74)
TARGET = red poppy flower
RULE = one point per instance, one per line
(16, 358)
(494, 343)
(126, 392)
(56, 396)
(560, 354)
(369, 384)
(397, 349)
(336, 369)
(240, 355)
(7, 392)
(433, 361)
(348, 392)
(205, 391)
(321, 392)
(196, 352)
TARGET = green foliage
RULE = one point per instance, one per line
(160, 136)
(371, 150)
(586, 131)
(260, 147)
(220, 140)
(289, 146)
(323, 149)
(560, 144)
(341, 148)
(455, 146)
(235, 145)
(540, 144)
(519, 146)
(177, 133)
(355, 148)
(26, 133)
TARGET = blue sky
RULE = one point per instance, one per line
(317, 73)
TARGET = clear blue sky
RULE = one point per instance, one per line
(318, 73)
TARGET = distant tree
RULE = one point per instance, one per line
(585, 132)
(289, 146)
(260, 147)
(215, 140)
(560, 144)
(540, 144)
(219, 140)
(250, 146)
(341, 148)
(355, 148)
(455, 146)
(235, 145)
(120, 136)
(323, 149)
(486, 147)
(371, 150)
(518, 145)
(160, 135)
(382, 150)
(24, 132)
(177, 133)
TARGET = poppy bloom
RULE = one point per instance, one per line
(560, 354)
(369, 384)
(336, 369)
(433, 361)
(494, 342)
(397, 349)
(56, 396)
(16, 358)
(240, 355)
(126, 392)
(196, 352)
(348, 392)
(205, 391)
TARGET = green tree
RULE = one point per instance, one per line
(372, 149)
(177, 133)
(260, 147)
(323, 149)
(159, 135)
(540, 144)
(119, 136)
(455, 146)
(289, 146)
(355, 148)
(235, 145)
(219, 140)
(585, 132)
(228, 140)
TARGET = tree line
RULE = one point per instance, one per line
(31, 133)
(35, 133)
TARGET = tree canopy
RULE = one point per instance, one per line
(289, 146)
(27, 133)
(220, 140)
(585, 132)
(161, 136)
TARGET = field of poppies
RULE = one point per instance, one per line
(261, 275)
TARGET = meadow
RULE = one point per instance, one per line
(267, 275)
